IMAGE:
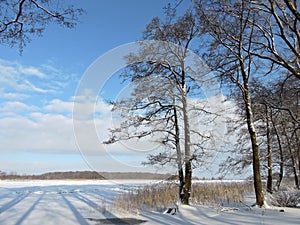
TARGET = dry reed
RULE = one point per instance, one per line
(163, 195)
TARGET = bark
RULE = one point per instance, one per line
(298, 149)
(294, 169)
(187, 140)
(298, 157)
(281, 164)
(269, 157)
(187, 145)
(294, 166)
(178, 152)
(181, 185)
(255, 149)
(188, 183)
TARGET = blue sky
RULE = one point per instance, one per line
(37, 91)
(37, 87)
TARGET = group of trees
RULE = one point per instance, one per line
(251, 46)
(90, 175)
(53, 176)
(253, 49)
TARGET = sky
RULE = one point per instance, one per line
(38, 90)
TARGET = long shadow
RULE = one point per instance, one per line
(113, 219)
(77, 214)
(202, 215)
(90, 203)
(159, 220)
(13, 202)
(26, 214)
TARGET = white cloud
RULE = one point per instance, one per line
(27, 128)
(14, 68)
(29, 86)
(35, 120)
(57, 105)
(13, 96)
(32, 71)
(86, 106)
(42, 133)
(16, 77)
(16, 106)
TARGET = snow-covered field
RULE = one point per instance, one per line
(90, 202)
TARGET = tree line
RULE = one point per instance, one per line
(86, 175)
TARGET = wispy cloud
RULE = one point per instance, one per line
(29, 86)
(32, 71)
(23, 79)
(16, 106)
(13, 96)
(15, 68)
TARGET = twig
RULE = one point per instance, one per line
(249, 207)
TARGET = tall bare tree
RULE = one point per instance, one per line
(231, 36)
(164, 84)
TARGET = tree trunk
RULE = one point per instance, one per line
(292, 160)
(188, 183)
(255, 149)
(187, 146)
(294, 169)
(281, 164)
(269, 157)
(298, 149)
(298, 154)
(181, 185)
(178, 153)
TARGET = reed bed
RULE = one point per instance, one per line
(160, 196)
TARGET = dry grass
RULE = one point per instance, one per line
(220, 193)
(160, 196)
(155, 197)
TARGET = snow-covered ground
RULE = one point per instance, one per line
(90, 202)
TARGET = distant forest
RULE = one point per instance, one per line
(86, 175)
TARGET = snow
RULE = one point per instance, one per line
(90, 202)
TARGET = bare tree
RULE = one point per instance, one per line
(284, 100)
(275, 107)
(23, 18)
(165, 82)
(231, 36)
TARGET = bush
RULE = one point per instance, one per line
(287, 198)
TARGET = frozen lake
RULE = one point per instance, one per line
(90, 202)
(59, 201)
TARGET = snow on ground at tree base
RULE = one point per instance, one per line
(90, 202)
